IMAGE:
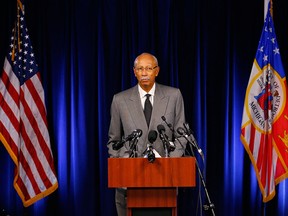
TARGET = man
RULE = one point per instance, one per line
(127, 115)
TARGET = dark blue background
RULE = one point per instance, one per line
(85, 50)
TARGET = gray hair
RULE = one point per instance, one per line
(136, 60)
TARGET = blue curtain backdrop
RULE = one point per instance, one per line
(85, 50)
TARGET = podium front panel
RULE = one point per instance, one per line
(163, 172)
(151, 197)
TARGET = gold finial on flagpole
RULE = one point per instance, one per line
(271, 8)
(19, 3)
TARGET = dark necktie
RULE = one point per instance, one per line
(147, 109)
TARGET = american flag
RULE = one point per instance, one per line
(264, 130)
(23, 123)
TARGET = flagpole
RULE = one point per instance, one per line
(271, 8)
(266, 2)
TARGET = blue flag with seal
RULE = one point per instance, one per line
(265, 113)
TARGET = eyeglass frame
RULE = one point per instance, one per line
(148, 69)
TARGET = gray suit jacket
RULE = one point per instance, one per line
(127, 115)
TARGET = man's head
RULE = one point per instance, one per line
(146, 70)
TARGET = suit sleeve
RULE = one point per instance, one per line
(115, 129)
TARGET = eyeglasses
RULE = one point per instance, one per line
(148, 69)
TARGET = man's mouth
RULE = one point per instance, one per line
(145, 79)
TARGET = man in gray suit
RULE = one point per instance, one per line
(127, 115)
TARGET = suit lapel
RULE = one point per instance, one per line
(159, 106)
(135, 108)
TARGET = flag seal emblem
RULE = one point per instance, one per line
(267, 104)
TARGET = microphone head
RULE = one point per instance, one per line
(186, 126)
(139, 132)
(116, 145)
(171, 146)
(161, 128)
(163, 118)
(152, 136)
(135, 133)
(151, 156)
(180, 131)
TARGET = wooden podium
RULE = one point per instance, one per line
(151, 185)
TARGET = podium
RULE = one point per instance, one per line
(151, 185)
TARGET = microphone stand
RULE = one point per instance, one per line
(166, 150)
(210, 205)
(173, 131)
(133, 150)
(193, 143)
(165, 144)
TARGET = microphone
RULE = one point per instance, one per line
(169, 125)
(182, 132)
(119, 144)
(170, 146)
(172, 129)
(133, 143)
(138, 133)
(152, 136)
(186, 126)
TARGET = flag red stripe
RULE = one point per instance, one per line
(42, 136)
(10, 87)
(22, 187)
(8, 138)
(34, 156)
(243, 132)
(40, 140)
(28, 171)
(4, 98)
(270, 162)
(10, 114)
(261, 159)
(36, 96)
(252, 138)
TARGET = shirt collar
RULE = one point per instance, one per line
(143, 93)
